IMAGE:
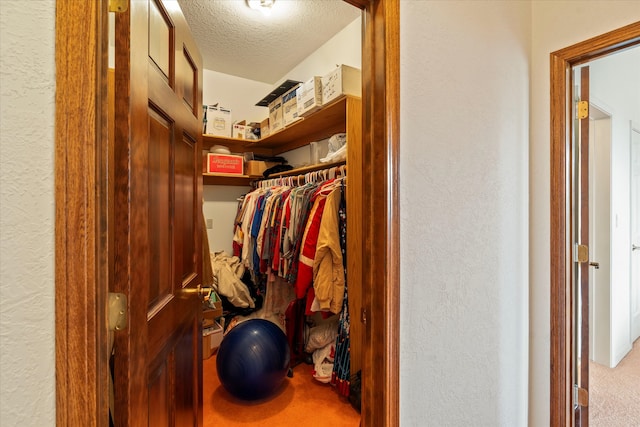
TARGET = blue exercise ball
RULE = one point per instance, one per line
(253, 359)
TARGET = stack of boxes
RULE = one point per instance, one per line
(308, 97)
(299, 101)
(211, 327)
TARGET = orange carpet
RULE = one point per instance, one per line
(300, 401)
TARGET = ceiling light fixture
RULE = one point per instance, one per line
(263, 6)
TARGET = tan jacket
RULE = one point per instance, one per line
(328, 271)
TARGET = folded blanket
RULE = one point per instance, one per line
(228, 272)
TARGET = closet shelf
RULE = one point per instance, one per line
(329, 120)
(225, 179)
(235, 145)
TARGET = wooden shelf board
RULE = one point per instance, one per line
(322, 124)
(226, 179)
(235, 145)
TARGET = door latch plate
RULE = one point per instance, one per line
(581, 253)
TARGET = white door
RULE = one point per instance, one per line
(635, 234)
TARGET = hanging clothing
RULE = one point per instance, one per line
(292, 239)
(310, 239)
(328, 269)
(341, 376)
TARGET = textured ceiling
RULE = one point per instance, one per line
(240, 41)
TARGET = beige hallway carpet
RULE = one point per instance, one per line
(614, 393)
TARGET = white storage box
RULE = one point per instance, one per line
(275, 115)
(218, 121)
(344, 80)
(239, 129)
(290, 106)
(309, 96)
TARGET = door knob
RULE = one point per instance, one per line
(595, 264)
(634, 247)
(200, 291)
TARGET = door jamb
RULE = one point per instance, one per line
(81, 276)
(561, 299)
(81, 272)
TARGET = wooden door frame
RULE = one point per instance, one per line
(561, 297)
(81, 198)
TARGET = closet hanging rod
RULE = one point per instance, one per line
(334, 170)
(305, 169)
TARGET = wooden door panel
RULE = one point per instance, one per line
(172, 397)
(159, 392)
(185, 182)
(189, 81)
(185, 391)
(160, 39)
(160, 130)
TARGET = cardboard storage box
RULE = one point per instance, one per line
(275, 115)
(252, 131)
(214, 313)
(256, 167)
(211, 339)
(344, 80)
(264, 128)
(239, 129)
(224, 163)
(218, 121)
(290, 106)
(309, 96)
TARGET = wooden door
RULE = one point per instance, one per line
(156, 226)
(581, 272)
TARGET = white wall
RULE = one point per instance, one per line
(555, 25)
(236, 93)
(343, 48)
(220, 207)
(27, 87)
(464, 206)
(615, 83)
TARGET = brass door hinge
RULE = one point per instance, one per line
(117, 311)
(580, 396)
(582, 109)
(118, 6)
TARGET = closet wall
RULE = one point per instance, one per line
(241, 95)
